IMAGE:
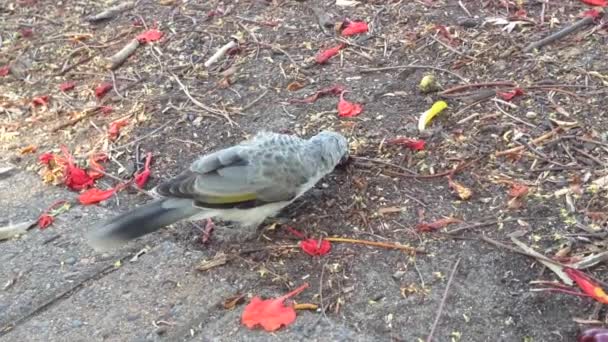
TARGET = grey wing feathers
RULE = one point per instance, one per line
(219, 159)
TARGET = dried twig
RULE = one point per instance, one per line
(202, 105)
(560, 34)
(460, 88)
(256, 100)
(452, 49)
(376, 244)
(120, 180)
(534, 141)
(221, 52)
(413, 66)
(86, 114)
(111, 12)
(443, 300)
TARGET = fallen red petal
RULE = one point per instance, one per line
(26, 32)
(46, 158)
(150, 36)
(141, 178)
(67, 86)
(296, 232)
(601, 3)
(45, 220)
(593, 13)
(102, 89)
(518, 190)
(325, 55)
(333, 90)
(271, 314)
(96, 170)
(508, 96)
(75, 178)
(40, 100)
(115, 127)
(414, 144)
(348, 109)
(4, 71)
(315, 247)
(355, 27)
(106, 109)
(587, 285)
(95, 195)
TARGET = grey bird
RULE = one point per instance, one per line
(245, 184)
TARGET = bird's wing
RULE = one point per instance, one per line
(227, 179)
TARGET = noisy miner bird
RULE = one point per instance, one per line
(245, 184)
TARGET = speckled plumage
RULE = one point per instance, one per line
(245, 183)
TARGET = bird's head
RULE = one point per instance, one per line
(334, 145)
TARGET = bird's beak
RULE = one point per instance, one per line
(344, 159)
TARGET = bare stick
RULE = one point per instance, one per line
(220, 53)
(202, 105)
(111, 12)
(121, 56)
(560, 34)
(86, 113)
(414, 66)
(443, 300)
(256, 100)
(120, 180)
(535, 141)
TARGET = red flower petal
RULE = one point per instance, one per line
(593, 13)
(588, 286)
(45, 220)
(95, 169)
(141, 178)
(508, 96)
(4, 70)
(333, 90)
(115, 127)
(95, 195)
(271, 314)
(296, 232)
(102, 89)
(414, 144)
(106, 109)
(315, 247)
(150, 36)
(325, 55)
(26, 32)
(518, 190)
(348, 109)
(65, 86)
(46, 158)
(601, 3)
(355, 27)
(40, 100)
(75, 178)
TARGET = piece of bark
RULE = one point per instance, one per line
(121, 56)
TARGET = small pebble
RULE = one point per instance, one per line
(70, 261)
(468, 22)
(398, 275)
(76, 323)
(531, 115)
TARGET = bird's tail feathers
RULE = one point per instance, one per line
(140, 221)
